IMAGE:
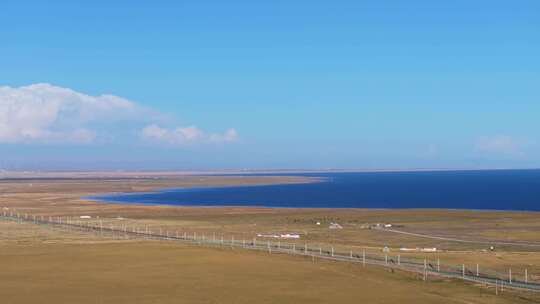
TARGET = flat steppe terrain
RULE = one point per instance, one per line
(40, 263)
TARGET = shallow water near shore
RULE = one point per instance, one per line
(481, 190)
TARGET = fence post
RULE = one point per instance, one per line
(364, 258)
(477, 270)
(526, 277)
(510, 275)
(438, 265)
(399, 259)
(425, 269)
(332, 251)
(386, 259)
(463, 270)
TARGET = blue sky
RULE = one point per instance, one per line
(269, 84)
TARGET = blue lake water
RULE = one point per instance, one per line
(490, 190)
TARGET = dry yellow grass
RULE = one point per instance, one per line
(78, 269)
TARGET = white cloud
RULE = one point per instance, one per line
(229, 136)
(501, 144)
(44, 113)
(186, 135)
(47, 113)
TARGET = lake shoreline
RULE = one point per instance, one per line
(471, 190)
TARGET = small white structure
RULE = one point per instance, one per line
(408, 249)
(85, 217)
(280, 236)
(290, 236)
(387, 225)
(335, 226)
(418, 249)
(318, 223)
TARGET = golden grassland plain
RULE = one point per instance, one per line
(39, 263)
(52, 266)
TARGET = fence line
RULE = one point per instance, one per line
(424, 267)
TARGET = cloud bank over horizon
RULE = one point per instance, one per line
(503, 145)
(187, 135)
(46, 114)
(107, 127)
